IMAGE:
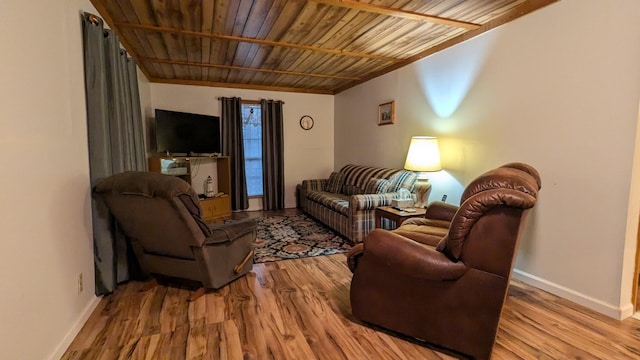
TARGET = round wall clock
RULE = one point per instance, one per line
(306, 122)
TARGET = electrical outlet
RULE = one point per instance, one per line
(80, 284)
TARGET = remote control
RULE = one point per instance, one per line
(398, 208)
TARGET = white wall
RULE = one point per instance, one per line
(552, 89)
(307, 154)
(45, 209)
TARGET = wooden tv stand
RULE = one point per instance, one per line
(216, 207)
(213, 208)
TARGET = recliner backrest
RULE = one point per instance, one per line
(158, 212)
(517, 176)
(493, 207)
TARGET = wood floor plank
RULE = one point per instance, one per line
(198, 310)
(231, 348)
(197, 339)
(215, 306)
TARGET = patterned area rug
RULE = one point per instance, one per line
(292, 237)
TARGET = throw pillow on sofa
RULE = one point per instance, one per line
(377, 186)
(402, 179)
(336, 179)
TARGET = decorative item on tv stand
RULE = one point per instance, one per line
(208, 187)
(423, 157)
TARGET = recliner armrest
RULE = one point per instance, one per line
(354, 256)
(438, 210)
(230, 231)
(410, 258)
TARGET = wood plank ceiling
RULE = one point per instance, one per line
(310, 46)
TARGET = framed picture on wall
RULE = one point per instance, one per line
(387, 113)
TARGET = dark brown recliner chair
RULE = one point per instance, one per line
(160, 215)
(443, 279)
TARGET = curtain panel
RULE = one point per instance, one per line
(233, 146)
(115, 139)
(272, 155)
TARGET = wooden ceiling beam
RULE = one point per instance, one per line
(405, 14)
(242, 68)
(240, 86)
(255, 41)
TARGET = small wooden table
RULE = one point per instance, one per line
(398, 216)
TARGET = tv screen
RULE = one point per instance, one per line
(179, 132)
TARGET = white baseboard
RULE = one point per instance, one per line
(616, 312)
(75, 329)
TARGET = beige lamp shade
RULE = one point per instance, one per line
(423, 154)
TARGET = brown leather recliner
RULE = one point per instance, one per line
(443, 279)
(160, 215)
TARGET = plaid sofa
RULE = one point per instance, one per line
(348, 204)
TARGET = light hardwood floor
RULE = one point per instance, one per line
(299, 309)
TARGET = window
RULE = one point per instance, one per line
(252, 136)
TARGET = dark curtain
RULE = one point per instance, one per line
(233, 146)
(116, 144)
(272, 155)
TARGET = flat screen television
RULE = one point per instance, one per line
(179, 132)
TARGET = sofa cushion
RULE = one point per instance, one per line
(358, 175)
(336, 179)
(336, 202)
(377, 186)
(402, 179)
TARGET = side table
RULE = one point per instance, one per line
(398, 216)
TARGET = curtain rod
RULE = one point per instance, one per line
(93, 19)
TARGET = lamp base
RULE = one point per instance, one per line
(422, 188)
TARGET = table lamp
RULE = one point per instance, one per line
(423, 157)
